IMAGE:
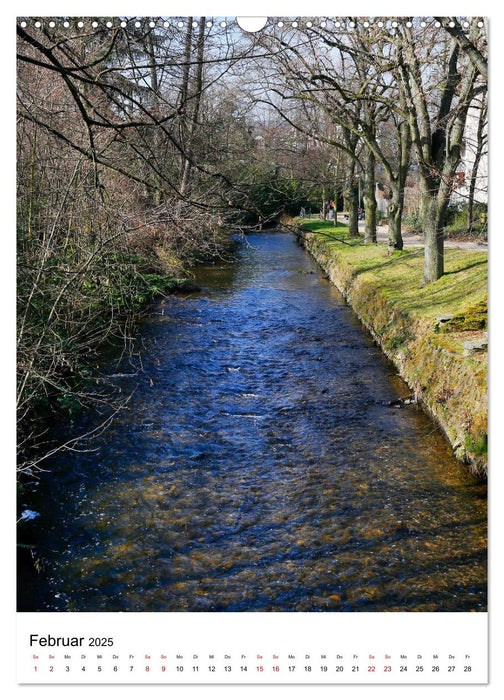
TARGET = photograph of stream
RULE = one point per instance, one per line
(260, 468)
(252, 304)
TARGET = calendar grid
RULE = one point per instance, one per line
(252, 648)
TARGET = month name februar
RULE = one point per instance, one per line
(50, 641)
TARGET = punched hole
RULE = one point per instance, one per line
(252, 24)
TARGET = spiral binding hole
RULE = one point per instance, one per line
(295, 24)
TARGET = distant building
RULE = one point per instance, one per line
(474, 145)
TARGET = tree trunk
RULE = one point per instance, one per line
(192, 110)
(434, 241)
(395, 210)
(437, 143)
(470, 200)
(435, 209)
(183, 109)
(352, 197)
(351, 190)
(369, 199)
(156, 192)
(435, 194)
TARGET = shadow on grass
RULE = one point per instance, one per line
(466, 267)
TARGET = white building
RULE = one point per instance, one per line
(475, 145)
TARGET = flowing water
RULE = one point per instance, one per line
(259, 467)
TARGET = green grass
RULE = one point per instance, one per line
(399, 276)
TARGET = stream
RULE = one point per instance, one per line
(259, 466)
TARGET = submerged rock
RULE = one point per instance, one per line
(406, 401)
(27, 515)
(188, 286)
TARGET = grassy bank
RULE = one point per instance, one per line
(422, 329)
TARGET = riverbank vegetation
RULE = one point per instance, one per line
(435, 334)
(113, 207)
(140, 147)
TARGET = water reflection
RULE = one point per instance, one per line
(258, 469)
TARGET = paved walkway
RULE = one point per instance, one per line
(414, 240)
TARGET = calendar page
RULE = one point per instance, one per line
(252, 349)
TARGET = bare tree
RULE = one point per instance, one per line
(437, 128)
(354, 79)
(467, 44)
(106, 154)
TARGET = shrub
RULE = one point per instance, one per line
(413, 220)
